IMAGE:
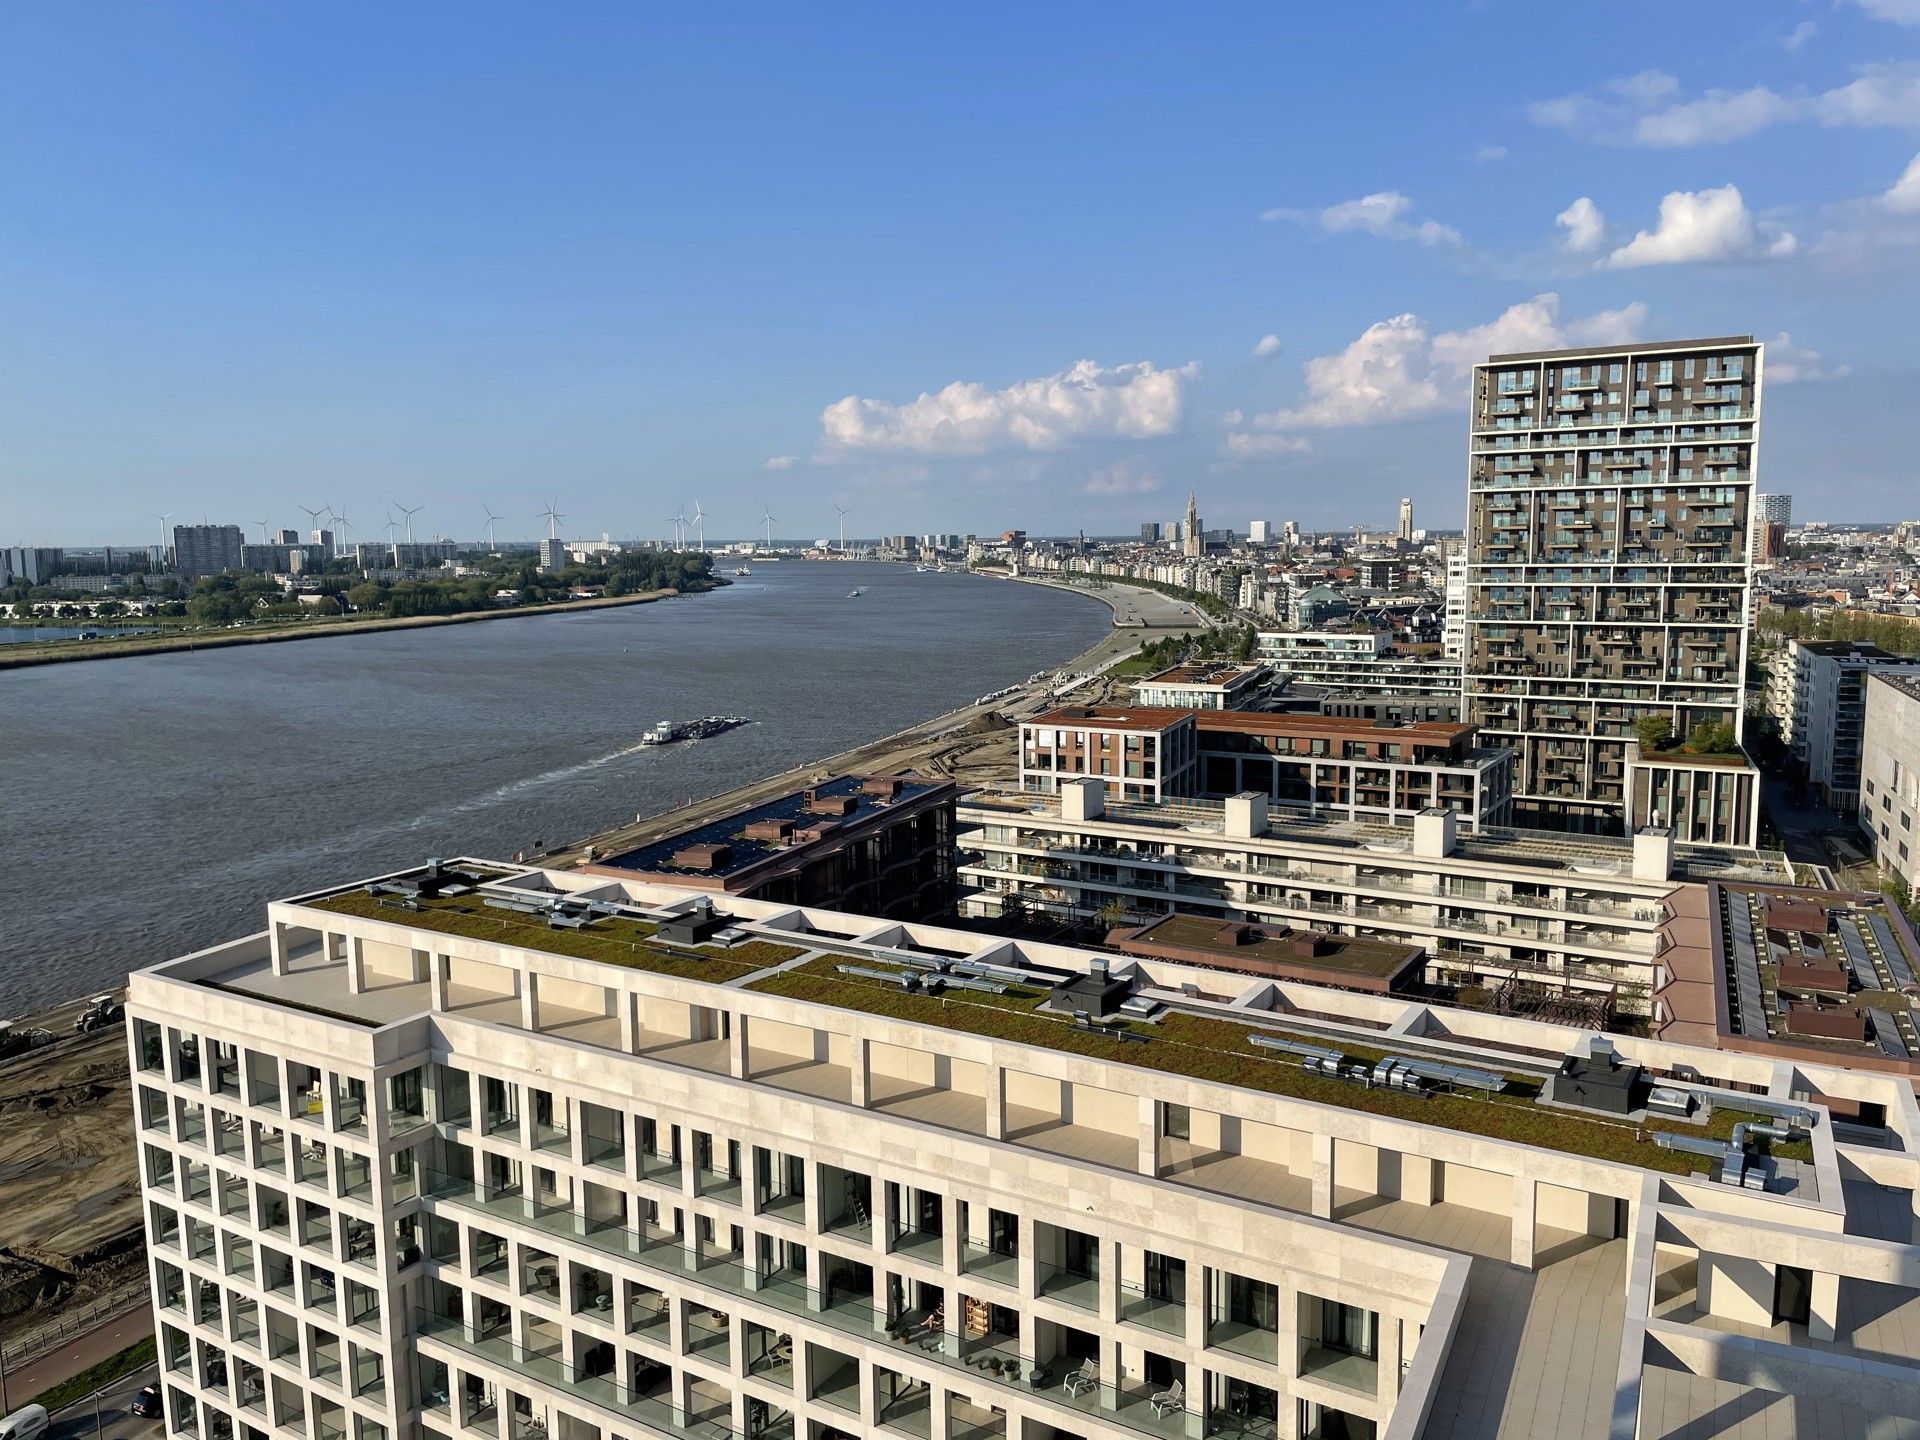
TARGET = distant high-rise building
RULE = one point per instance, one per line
(1260, 532)
(1770, 511)
(1192, 533)
(1609, 522)
(1150, 532)
(208, 549)
(287, 537)
(33, 564)
(1406, 518)
(553, 555)
(324, 539)
(1454, 626)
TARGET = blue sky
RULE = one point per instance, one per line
(956, 269)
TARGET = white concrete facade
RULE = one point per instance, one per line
(402, 1182)
(1890, 775)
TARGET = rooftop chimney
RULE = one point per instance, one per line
(1082, 799)
(1245, 815)
(1653, 854)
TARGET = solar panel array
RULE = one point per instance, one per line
(1750, 1000)
(1887, 1033)
(1858, 956)
(1890, 951)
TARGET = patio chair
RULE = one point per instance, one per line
(1170, 1400)
(1087, 1377)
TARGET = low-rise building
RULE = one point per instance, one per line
(1890, 774)
(1702, 799)
(1362, 660)
(1817, 697)
(1363, 769)
(1578, 920)
(879, 843)
(1203, 685)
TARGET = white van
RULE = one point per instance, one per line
(26, 1423)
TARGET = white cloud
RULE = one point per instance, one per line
(1084, 402)
(782, 462)
(1787, 363)
(1243, 445)
(1715, 118)
(1385, 213)
(1233, 417)
(1122, 479)
(1398, 369)
(1903, 196)
(1268, 345)
(1900, 12)
(1647, 110)
(1488, 154)
(1881, 95)
(1797, 38)
(1699, 225)
(1586, 227)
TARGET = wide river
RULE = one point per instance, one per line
(154, 805)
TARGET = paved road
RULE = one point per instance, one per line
(1807, 831)
(78, 1354)
(115, 1420)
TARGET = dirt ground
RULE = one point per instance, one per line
(69, 1187)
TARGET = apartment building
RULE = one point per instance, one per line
(1354, 660)
(1454, 642)
(1374, 770)
(1585, 919)
(482, 1151)
(1701, 799)
(1203, 685)
(880, 844)
(1817, 696)
(208, 550)
(1890, 774)
(1772, 514)
(1609, 533)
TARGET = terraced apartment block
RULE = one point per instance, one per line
(1609, 536)
(488, 1151)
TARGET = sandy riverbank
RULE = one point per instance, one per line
(160, 642)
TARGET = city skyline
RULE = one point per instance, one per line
(495, 277)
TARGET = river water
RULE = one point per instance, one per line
(153, 805)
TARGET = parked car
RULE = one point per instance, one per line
(147, 1402)
(25, 1423)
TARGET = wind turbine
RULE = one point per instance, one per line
(346, 526)
(767, 520)
(313, 517)
(679, 522)
(553, 518)
(409, 514)
(263, 530)
(700, 523)
(165, 534)
(391, 525)
(491, 517)
(843, 525)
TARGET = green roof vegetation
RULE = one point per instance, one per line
(611, 941)
(1221, 1051)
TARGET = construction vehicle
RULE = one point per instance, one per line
(101, 1011)
(17, 1040)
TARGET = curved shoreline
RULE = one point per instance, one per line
(163, 644)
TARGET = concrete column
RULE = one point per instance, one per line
(860, 1077)
(996, 1103)
(277, 946)
(440, 975)
(1525, 1203)
(1417, 1176)
(356, 965)
(1323, 1176)
(1029, 1242)
(627, 1011)
(1196, 1297)
(529, 1001)
(1110, 1282)
(1287, 1342)
(1150, 1138)
(1823, 1311)
(737, 1047)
